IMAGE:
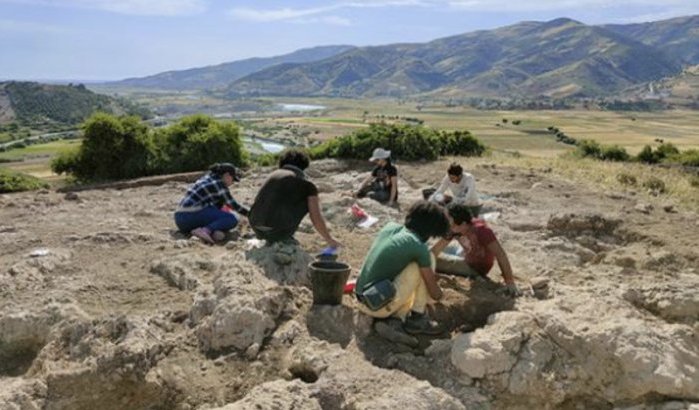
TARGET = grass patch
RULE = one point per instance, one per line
(11, 181)
(675, 184)
(49, 149)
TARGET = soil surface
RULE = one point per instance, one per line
(103, 304)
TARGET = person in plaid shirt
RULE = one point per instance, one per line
(200, 213)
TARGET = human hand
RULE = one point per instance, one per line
(332, 243)
(511, 291)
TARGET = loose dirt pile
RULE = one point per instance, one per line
(104, 305)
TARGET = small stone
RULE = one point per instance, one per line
(71, 196)
(669, 208)
(392, 333)
(643, 208)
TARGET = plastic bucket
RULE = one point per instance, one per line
(328, 280)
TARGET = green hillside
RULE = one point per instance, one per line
(561, 58)
(223, 74)
(35, 104)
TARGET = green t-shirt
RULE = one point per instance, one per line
(393, 249)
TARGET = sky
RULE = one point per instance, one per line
(97, 40)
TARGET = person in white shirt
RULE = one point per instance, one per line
(462, 186)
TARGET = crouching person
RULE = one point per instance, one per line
(480, 247)
(199, 212)
(397, 278)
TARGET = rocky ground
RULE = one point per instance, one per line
(104, 305)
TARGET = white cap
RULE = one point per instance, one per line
(380, 153)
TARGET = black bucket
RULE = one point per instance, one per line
(328, 280)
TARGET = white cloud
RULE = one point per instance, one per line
(301, 15)
(558, 5)
(18, 26)
(134, 7)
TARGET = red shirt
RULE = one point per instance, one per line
(475, 243)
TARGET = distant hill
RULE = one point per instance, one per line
(223, 74)
(34, 103)
(678, 37)
(558, 58)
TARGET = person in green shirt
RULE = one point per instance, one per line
(400, 254)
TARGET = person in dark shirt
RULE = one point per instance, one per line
(284, 199)
(382, 184)
(199, 212)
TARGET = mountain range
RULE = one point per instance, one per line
(558, 58)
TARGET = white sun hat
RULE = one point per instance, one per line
(380, 153)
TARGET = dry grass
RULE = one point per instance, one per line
(605, 175)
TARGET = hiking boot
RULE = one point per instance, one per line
(420, 323)
(391, 329)
(218, 236)
(203, 234)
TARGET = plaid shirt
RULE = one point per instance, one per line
(209, 191)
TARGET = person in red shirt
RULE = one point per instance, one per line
(481, 247)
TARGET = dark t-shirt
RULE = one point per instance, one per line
(382, 175)
(282, 202)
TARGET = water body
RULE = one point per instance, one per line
(269, 146)
(301, 107)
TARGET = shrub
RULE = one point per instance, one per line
(589, 148)
(11, 181)
(266, 160)
(112, 148)
(626, 179)
(689, 158)
(614, 153)
(655, 185)
(124, 147)
(195, 142)
(405, 142)
(647, 155)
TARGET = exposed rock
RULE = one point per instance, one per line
(283, 262)
(550, 354)
(582, 224)
(643, 208)
(670, 301)
(278, 395)
(181, 270)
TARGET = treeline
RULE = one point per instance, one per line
(406, 142)
(125, 147)
(665, 152)
(41, 104)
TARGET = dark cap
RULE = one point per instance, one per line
(225, 167)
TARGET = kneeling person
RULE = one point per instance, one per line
(400, 254)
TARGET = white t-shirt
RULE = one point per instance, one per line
(463, 192)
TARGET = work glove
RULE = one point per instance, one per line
(510, 290)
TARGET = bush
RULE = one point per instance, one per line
(655, 185)
(11, 181)
(688, 158)
(124, 147)
(626, 179)
(589, 148)
(406, 142)
(647, 155)
(195, 142)
(614, 153)
(266, 160)
(664, 151)
(112, 148)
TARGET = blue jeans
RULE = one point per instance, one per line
(209, 217)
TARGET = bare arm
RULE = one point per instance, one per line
(366, 182)
(438, 247)
(503, 261)
(430, 279)
(394, 190)
(319, 222)
(441, 189)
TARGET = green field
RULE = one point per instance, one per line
(530, 138)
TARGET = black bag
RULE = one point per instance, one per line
(379, 294)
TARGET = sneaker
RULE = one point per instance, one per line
(203, 234)
(218, 236)
(420, 323)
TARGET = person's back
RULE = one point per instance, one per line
(393, 249)
(282, 202)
